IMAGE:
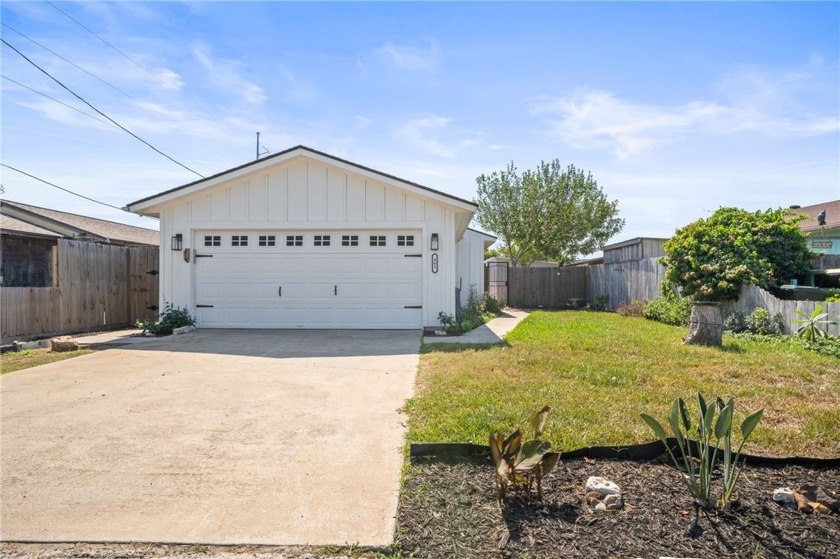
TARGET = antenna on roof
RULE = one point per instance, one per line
(261, 150)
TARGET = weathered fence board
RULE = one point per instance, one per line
(98, 287)
(548, 288)
(752, 297)
(625, 281)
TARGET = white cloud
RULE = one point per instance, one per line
(422, 58)
(434, 135)
(225, 72)
(771, 104)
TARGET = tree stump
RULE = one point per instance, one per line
(706, 324)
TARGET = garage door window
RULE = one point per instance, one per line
(239, 240)
(266, 240)
(294, 240)
(405, 240)
(349, 240)
(377, 240)
(212, 240)
(322, 240)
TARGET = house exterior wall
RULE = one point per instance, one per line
(470, 263)
(304, 194)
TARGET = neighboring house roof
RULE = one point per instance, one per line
(633, 241)
(832, 216)
(258, 164)
(54, 223)
(9, 224)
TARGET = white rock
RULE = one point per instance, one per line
(602, 485)
(613, 502)
(783, 495)
(600, 506)
(183, 330)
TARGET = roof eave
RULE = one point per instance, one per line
(150, 205)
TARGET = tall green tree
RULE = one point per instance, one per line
(549, 213)
(711, 258)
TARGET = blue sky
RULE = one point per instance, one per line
(676, 108)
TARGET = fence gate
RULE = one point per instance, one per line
(497, 280)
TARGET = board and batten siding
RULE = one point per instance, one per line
(306, 195)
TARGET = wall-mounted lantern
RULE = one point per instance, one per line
(435, 244)
(177, 242)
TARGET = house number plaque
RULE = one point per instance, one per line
(434, 263)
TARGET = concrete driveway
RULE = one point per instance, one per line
(216, 436)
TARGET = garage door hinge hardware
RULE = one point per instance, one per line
(152, 272)
(413, 307)
(204, 306)
(152, 307)
(204, 256)
(413, 255)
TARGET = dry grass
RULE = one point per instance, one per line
(17, 360)
(598, 371)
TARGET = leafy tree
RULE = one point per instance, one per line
(549, 213)
(711, 258)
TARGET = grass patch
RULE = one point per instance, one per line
(598, 371)
(17, 360)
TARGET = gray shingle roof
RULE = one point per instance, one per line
(109, 231)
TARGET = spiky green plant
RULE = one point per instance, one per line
(812, 326)
(698, 462)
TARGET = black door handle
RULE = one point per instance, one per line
(335, 290)
(280, 291)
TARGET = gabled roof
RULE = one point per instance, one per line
(43, 221)
(832, 216)
(17, 227)
(259, 164)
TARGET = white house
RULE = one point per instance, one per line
(302, 239)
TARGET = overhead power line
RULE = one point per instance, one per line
(54, 99)
(91, 74)
(83, 26)
(80, 98)
(62, 188)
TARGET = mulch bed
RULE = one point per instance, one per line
(449, 509)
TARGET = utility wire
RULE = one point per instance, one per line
(54, 99)
(61, 188)
(80, 24)
(98, 111)
(112, 86)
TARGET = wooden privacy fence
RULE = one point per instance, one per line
(98, 287)
(752, 297)
(626, 281)
(548, 288)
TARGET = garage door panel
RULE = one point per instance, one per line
(309, 286)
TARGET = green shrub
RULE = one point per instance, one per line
(759, 322)
(835, 298)
(634, 308)
(170, 318)
(602, 302)
(669, 310)
(736, 322)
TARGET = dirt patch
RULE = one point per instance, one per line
(448, 509)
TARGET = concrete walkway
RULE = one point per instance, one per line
(493, 332)
(224, 437)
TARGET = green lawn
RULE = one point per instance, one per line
(17, 360)
(598, 371)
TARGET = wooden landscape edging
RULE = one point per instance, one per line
(644, 451)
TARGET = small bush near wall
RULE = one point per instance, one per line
(634, 308)
(669, 310)
(170, 318)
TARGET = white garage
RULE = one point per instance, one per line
(302, 239)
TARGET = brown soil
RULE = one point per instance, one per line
(450, 510)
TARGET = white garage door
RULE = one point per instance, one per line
(294, 279)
